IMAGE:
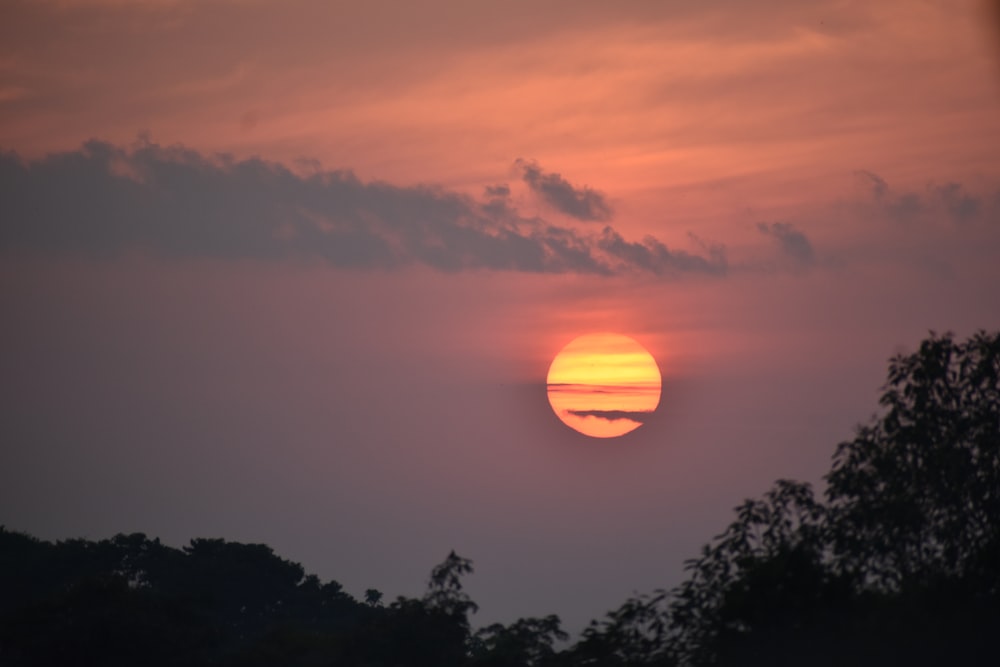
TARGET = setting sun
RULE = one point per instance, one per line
(603, 385)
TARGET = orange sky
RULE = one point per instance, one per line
(686, 118)
(772, 197)
(646, 97)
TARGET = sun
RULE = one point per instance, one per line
(604, 385)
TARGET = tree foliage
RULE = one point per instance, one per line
(916, 494)
(528, 642)
(905, 542)
(763, 574)
(899, 561)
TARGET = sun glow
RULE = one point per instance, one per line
(604, 385)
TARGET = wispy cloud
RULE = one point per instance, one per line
(640, 416)
(878, 186)
(176, 202)
(582, 203)
(951, 201)
(793, 243)
(959, 203)
(653, 256)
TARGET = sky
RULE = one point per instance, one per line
(294, 272)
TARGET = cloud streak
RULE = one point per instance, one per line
(793, 243)
(585, 204)
(640, 416)
(951, 201)
(175, 202)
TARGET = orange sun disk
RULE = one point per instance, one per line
(604, 385)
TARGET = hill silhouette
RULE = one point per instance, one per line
(896, 562)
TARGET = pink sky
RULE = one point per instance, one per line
(201, 345)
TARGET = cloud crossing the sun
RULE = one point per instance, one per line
(640, 416)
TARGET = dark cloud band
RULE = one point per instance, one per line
(792, 242)
(175, 202)
(583, 203)
(640, 416)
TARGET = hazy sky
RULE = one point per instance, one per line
(294, 272)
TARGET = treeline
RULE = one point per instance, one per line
(898, 562)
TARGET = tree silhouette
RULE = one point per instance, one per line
(901, 559)
(763, 575)
(430, 631)
(633, 634)
(527, 642)
(916, 494)
(444, 589)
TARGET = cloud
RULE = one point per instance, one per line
(640, 416)
(653, 256)
(960, 205)
(951, 201)
(878, 185)
(175, 202)
(501, 191)
(792, 242)
(583, 203)
(903, 208)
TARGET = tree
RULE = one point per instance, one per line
(444, 589)
(429, 631)
(632, 635)
(764, 575)
(527, 642)
(902, 560)
(916, 494)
